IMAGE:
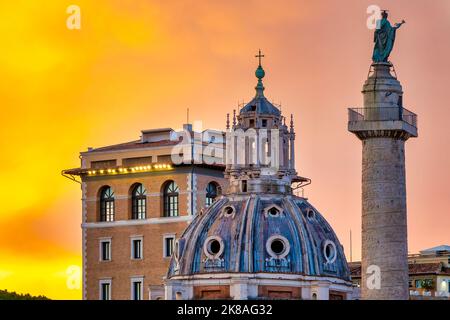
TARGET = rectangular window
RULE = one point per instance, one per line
(264, 123)
(424, 283)
(400, 101)
(105, 250)
(428, 284)
(140, 161)
(105, 290)
(137, 286)
(136, 248)
(173, 206)
(139, 207)
(244, 185)
(110, 211)
(103, 164)
(169, 242)
(164, 158)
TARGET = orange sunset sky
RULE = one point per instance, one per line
(138, 64)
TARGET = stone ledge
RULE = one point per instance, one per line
(388, 128)
(124, 223)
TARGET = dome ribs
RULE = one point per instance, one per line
(249, 234)
(297, 235)
(193, 262)
(241, 251)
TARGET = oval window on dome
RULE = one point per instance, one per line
(213, 247)
(273, 211)
(329, 251)
(176, 255)
(228, 211)
(310, 214)
(177, 249)
(278, 246)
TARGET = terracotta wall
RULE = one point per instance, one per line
(153, 267)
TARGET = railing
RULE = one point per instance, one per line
(420, 292)
(382, 114)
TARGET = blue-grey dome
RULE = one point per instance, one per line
(261, 105)
(259, 234)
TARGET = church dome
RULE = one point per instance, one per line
(259, 240)
(260, 105)
(260, 234)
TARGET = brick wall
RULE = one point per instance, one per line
(153, 266)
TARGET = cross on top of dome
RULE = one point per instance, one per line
(259, 56)
(259, 73)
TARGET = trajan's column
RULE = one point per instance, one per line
(383, 126)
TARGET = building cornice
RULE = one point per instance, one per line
(127, 223)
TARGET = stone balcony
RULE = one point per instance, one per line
(387, 121)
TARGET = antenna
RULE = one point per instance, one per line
(187, 116)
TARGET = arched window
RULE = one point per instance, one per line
(107, 204)
(139, 202)
(212, 191)
(170, 195)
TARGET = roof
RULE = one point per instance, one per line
(437, 268)
(261, 105)
(136, 144)
(139, 144)
(428, 268)
(355, 269)
(437, 249)
(157, 130)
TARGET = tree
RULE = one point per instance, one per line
(6, 295)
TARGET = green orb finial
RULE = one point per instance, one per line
(259, 73)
